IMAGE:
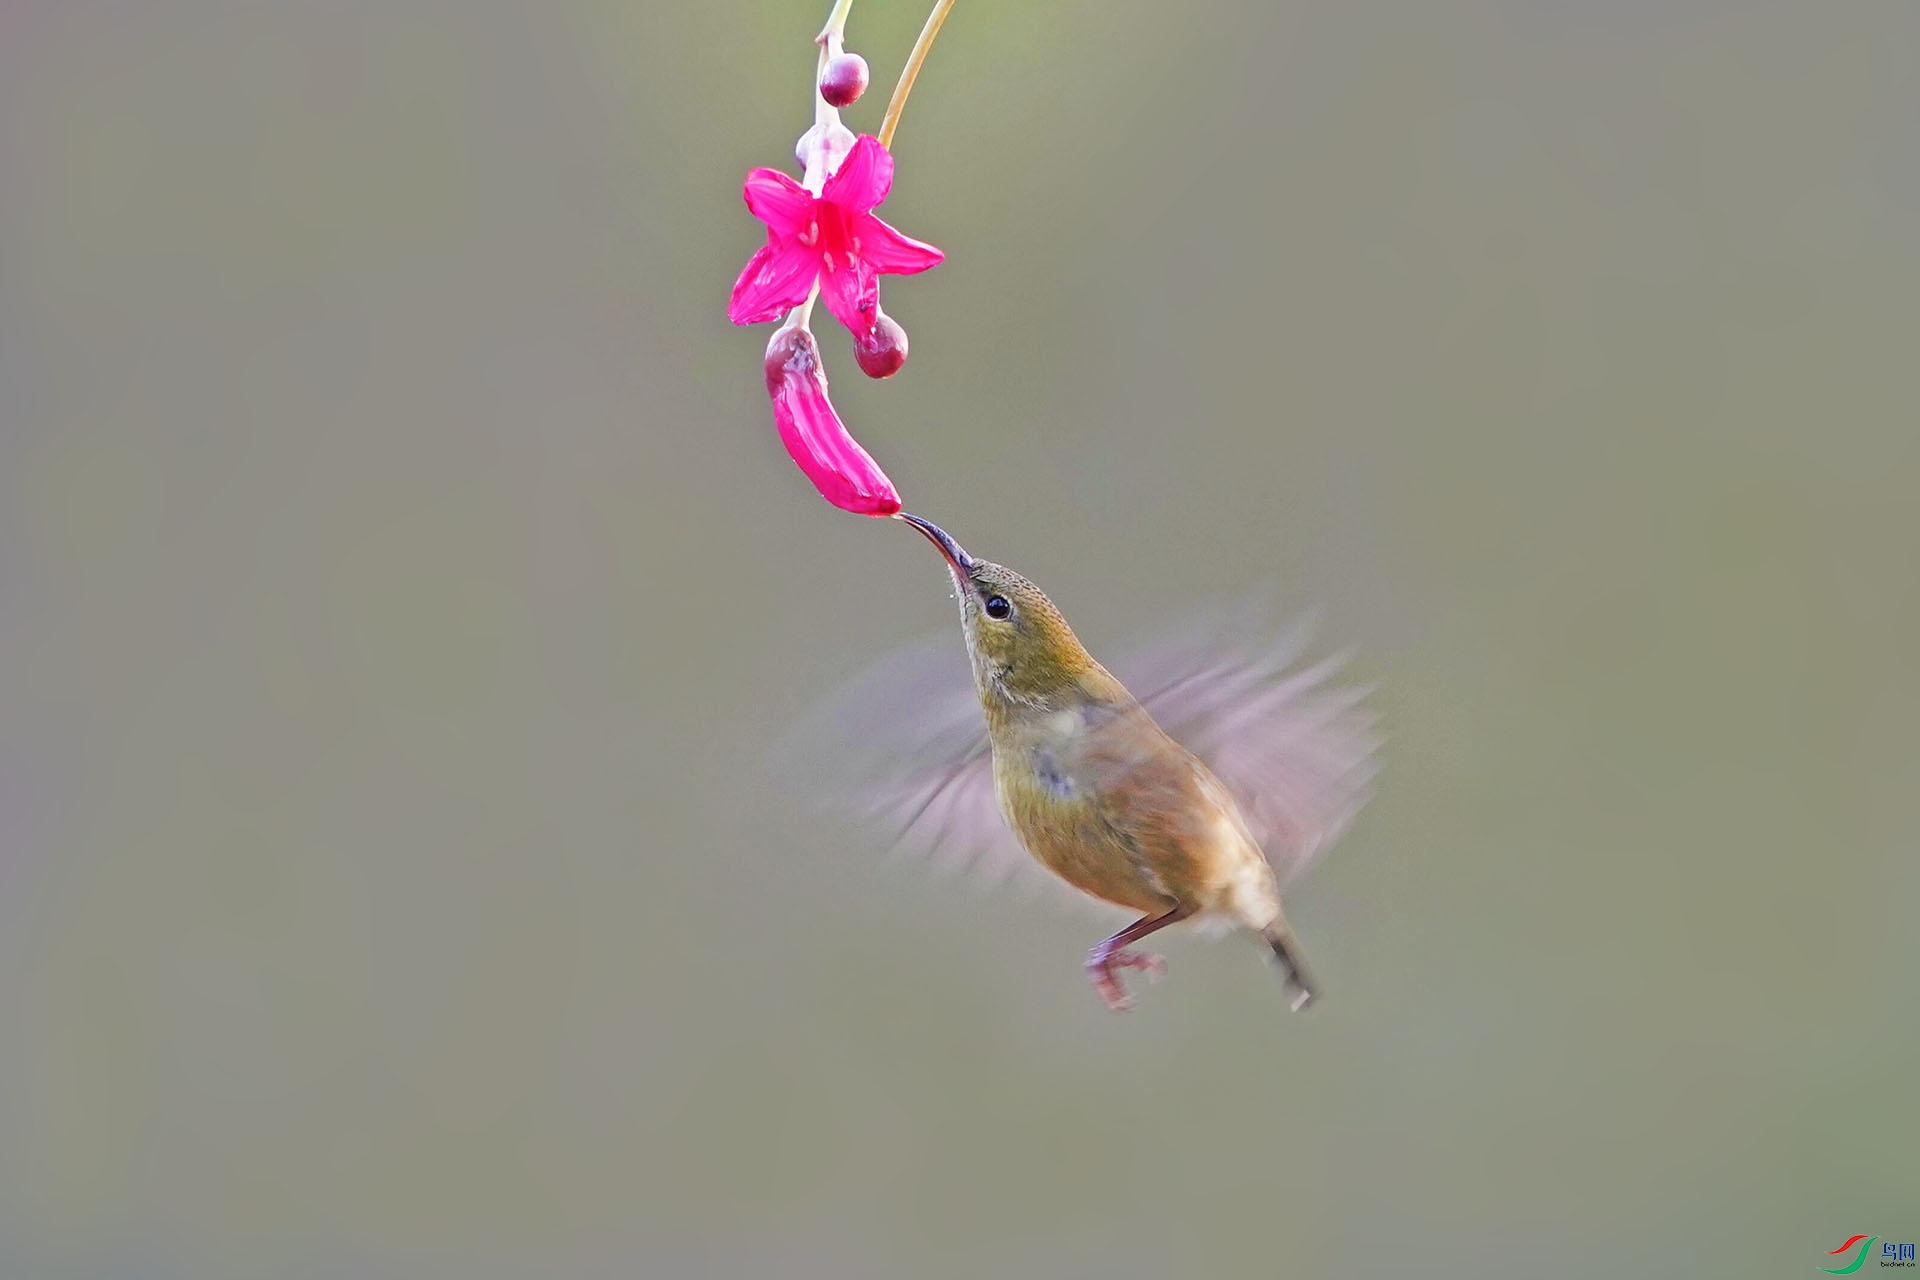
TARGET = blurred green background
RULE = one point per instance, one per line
(401, 584)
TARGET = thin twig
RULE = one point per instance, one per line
(898, 102)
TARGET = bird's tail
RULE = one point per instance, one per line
(1301, 988)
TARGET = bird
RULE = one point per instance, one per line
(1191, 803)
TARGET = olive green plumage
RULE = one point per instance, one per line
(1095, 790)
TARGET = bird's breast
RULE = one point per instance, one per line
(1053, 791)
(1110, 804)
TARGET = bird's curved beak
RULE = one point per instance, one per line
(956, 555)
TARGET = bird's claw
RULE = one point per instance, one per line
(1101, 966)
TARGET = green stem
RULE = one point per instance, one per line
(911, 72)
(836, 27)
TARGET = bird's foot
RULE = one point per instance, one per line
(1101, 971)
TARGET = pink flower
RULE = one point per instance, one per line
(833, 237)
(845, 474)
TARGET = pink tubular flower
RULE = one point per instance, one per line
(832, 237)
(845, 474)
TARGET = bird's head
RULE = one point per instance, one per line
(1023, 651)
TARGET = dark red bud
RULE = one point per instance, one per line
(843, 79)
(882, 352)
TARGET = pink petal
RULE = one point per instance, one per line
(851, 289)
(863, 178)
(891, 253)
(776, 279)
(778, 201)
(845, 474)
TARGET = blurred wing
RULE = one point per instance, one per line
(1296, 751)
(902, 749)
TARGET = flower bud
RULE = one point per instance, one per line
(843, 79)
(845, 474)
(883, 350)
(822, 148)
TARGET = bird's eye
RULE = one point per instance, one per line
(997, 607)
